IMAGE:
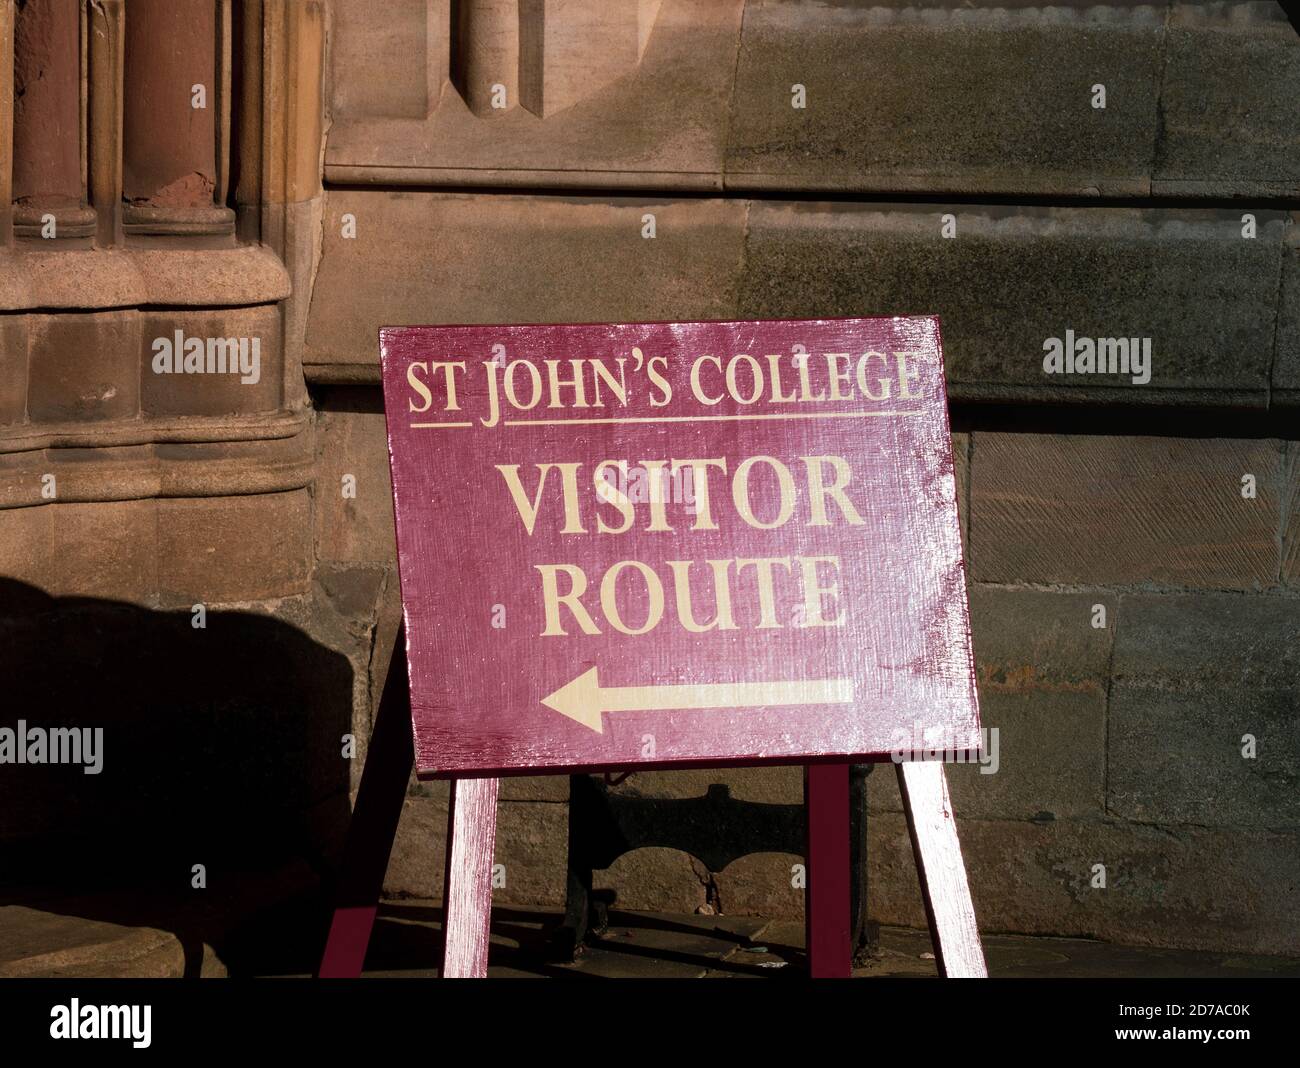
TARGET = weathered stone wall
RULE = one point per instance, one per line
(1120, 733)
(1120, 743)
(157, 572)
(949, 159)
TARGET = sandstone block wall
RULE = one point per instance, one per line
(673, 159)
(1120, 742)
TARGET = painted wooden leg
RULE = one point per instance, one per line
(941, 870)
(467, 888)
(827, 910)
(374, 824)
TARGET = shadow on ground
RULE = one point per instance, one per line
(407, 940)
(221, 747)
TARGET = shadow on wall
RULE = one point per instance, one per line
(221, 746)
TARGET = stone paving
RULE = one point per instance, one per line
(285, 941)
(676, 946)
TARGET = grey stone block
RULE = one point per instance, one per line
(434, 258)
(1011, 279)
(1014, 277)
(1228, 102)
(1042, 671)
(946, 97)
(418, 857)
(1188, 887)
(351, 441)
(530, 843)
(1286, 363)
(1193, 676)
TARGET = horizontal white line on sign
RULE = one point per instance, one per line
(702, 418)
(673, 419)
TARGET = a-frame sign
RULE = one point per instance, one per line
(637, 545)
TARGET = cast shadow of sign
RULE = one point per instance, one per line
(219, 746)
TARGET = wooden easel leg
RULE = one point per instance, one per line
(374, 825)
(942, 873)
(467, 889)
(827, 910)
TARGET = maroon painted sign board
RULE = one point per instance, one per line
(663, 544)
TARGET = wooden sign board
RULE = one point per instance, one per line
(665, 544)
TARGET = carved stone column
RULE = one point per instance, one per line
(172, 109)
(571, 49)
(485, 52)
(48, 173)
(6, 118)
(104, 117)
